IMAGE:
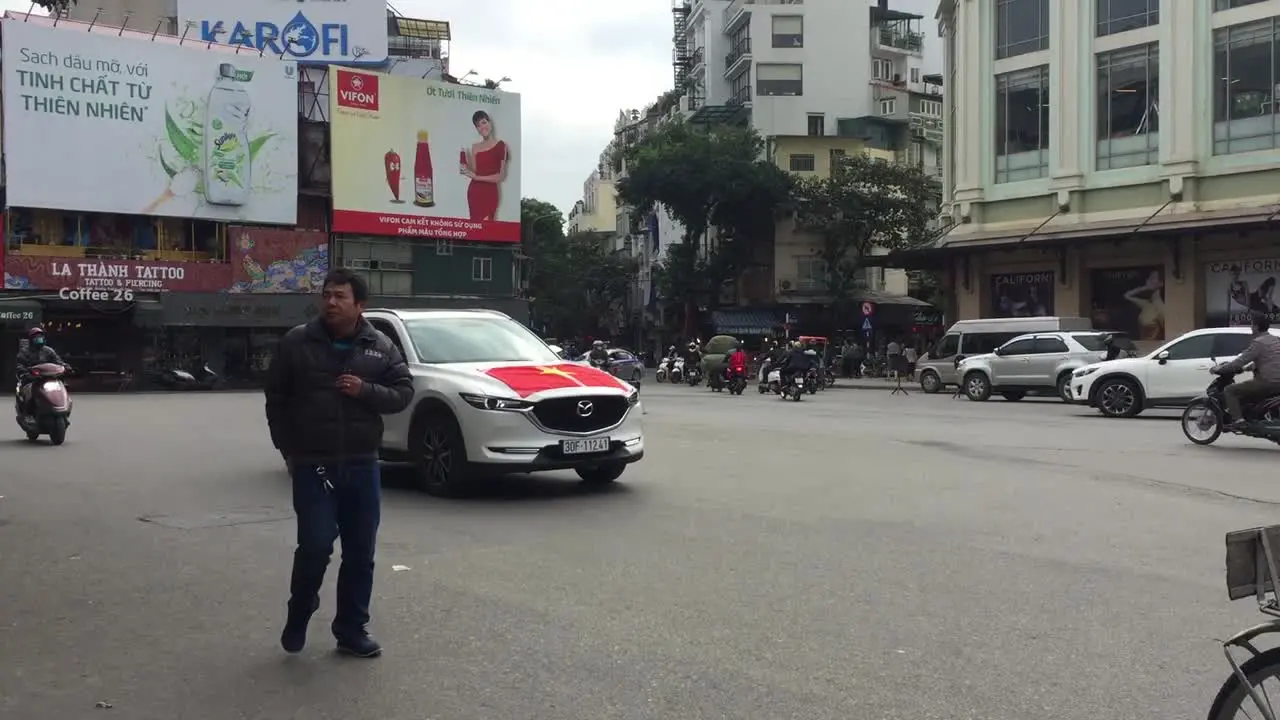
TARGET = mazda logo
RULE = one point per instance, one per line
(585, 408)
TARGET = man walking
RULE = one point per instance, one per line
(331, 381)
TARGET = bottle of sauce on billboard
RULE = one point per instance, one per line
(424, 177)
(391, 163)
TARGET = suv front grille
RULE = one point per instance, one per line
(562, 414)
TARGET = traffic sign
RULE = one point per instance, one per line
(866, 325)
(868, 309)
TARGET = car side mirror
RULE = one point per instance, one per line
(998, 351)
(1163, 357)
(557, 349)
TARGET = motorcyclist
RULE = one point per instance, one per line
(798, 360)
(1264, 354)
(671, 353)
(598, 356)
(736, 361)
(37, 352)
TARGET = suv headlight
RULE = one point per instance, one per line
(1083, 372)
(634, 397)
(485, 402)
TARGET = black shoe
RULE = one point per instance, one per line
(361, 646)
(294, 637)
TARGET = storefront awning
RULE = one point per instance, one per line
(744, 322)
(882, 298)
(21, 312)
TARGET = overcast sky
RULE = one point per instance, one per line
(576, 63)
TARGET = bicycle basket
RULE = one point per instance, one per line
(1252, 557)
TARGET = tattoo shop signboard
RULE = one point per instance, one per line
(117, 280)
(99, 123)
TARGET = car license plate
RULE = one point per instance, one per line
(582, 447)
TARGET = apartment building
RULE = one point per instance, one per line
(597, 211)
(1117, 160)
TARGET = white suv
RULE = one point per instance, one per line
(1172, 376)
(492, 398)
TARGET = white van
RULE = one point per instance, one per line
(936, 369)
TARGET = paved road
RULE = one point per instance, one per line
(851, 556)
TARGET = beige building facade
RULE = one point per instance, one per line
(1120, 167)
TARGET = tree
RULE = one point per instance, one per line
(866, 203)
(52, 5)
(577, 283)
(705, 177)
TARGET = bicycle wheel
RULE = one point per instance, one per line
(1233, 701)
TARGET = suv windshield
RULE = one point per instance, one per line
(478, 339)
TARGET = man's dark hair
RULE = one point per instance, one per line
(1261, 322)
(344, 276)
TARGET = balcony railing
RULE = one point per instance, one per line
(910, 41)
(741, 97)
(740, 49)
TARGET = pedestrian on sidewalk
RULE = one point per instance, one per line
(329, 385)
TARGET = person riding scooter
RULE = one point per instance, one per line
(798, 360)
(35, 353)
(735, 362)
(599, 356)
(1264, 354)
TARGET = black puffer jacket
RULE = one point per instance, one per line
(36, 355)
(309, 418)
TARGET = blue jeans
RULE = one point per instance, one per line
(351, 510)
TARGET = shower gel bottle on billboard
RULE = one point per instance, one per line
(228, 169)
(424, 176)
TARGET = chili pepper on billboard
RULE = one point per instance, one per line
(391, 162)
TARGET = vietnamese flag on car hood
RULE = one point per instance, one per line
(527, 380)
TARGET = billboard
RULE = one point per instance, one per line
(1235, 289)
(420, 158)
(262, 261)
(100, 123)
(311, 31)
(1028, 294)
(1129, 299)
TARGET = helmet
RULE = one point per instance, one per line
(598, 343)
(37, 330)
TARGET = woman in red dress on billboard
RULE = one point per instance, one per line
(487, 169)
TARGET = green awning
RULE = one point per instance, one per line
(744, 322)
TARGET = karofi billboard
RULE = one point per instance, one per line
(100, 123)
(310, 31)
(415, 157)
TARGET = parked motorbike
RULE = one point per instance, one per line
(664, 369)
(204, 378)
(676, 373)
(42, 405)
(1206, 418)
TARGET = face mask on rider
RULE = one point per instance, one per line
(37, 340)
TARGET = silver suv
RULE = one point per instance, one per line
(1039, 363)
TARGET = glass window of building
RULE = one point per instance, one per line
(779, 79)
(1116, 16)
(1128, 107)
(1022, 125)
(1230, 4)
(1246, 70)
(386, 265)
(1022, 26)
